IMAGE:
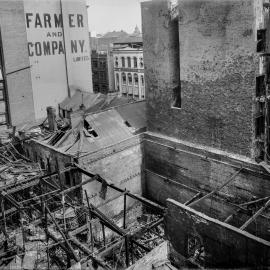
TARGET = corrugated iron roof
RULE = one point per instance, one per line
(134, 114)
(92, 102)
(88, 100)
(109, 127)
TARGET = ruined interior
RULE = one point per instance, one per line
(187, 188)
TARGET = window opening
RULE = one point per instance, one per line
(129, 78)
(136, 79)
(129, 62)
(176, 91)
(124, 78)
(261, 40)
(123, 61)
(135, 62)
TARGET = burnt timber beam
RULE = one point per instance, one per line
(196, 196)
(78, 186)
(216, 189)
(88, 252)
(106, 221)
(255, 201)
(243, 227)
(40, 196)
(128, 193)
(11, 200)
(57, 241)
(63, 235)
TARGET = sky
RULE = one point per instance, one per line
(110, 15)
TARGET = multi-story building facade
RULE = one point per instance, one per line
(100, 71)
(129, 67)
(41, 66)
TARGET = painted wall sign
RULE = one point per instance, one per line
(58, 48)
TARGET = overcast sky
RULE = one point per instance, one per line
(109, 15)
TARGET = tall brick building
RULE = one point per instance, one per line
(206, 73)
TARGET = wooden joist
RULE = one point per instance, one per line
(255, 215)
(216, 189)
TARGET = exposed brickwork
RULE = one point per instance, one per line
(200, 170)
(218, 65)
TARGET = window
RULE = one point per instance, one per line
(123, 61)
(261, 40)
(117, 82)
(102, 76)
(176, 89)
(135, 62)
(95, 63)
(42, 164)
(136, 79)
(129, 62)
(129, 78)
(124, 78)
(102, 64)
(260, 86)
(116, 62)
(142, 80)
(141, 62)
(67, 178)
(96, 88)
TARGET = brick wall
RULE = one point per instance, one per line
(218, 65)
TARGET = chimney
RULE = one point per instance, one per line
(51, 114)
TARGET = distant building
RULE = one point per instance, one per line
(102, 62)
(100, 71)
(129, 66)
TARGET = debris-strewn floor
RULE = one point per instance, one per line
(43, 226)
(156, 259)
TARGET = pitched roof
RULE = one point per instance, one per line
(134, 114)
(95, 132)
(92, 102)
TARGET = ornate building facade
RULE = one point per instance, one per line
(129, 66)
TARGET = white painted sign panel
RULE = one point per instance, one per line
(57, 45)
(76, 35)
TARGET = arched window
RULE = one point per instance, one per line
(116, 62)
(135, 62)
(124, 78)
(136, 79)
(129, 61)
(129, 79)
(142, 80)
(123, 61)
(141, 62)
